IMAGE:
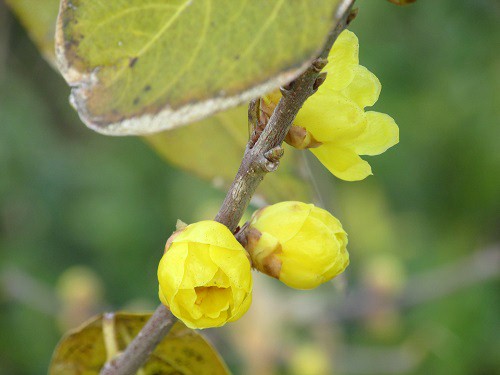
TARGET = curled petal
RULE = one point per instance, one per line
(186, 299)
(329, 220)
(331, 116)
(198, 267)
(364, 89)
(210, 233)
(295, 213)
(343, 58)
(240, 310)
(381, 133)
(214, 300)
(342, 162)
(172, 276)
(234, 265)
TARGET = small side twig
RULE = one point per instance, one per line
(261, 156)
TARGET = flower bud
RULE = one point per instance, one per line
(300, 244)
(300, 138)
(205, 276)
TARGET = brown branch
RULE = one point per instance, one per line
(260, 157)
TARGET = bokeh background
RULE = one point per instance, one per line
(84, 217)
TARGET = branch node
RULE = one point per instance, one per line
(270, 161)
(287, 89)
(352, 15)
(319, 64)
(270, 166)
(319, 81)
(274, 154)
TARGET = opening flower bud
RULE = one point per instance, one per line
(300, 138)
(300, 244)
(205, 276)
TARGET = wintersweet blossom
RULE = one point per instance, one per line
(300, 244)
(205, 276)
(333, 122)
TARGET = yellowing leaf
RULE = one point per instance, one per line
(38, 17)
(142, 66)
(213, 148)
(86, 349)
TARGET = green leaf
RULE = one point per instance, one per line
(212, 149)
(143, 66)
(38, 17)
(86, 349)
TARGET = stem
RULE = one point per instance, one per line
(142, 345)
(258, 159)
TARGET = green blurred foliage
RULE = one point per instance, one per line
(69, 197)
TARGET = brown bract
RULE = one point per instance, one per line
(269, 264)
(300, 138)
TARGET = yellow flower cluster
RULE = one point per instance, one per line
(333, 123)
(300, 244)
(205, 276)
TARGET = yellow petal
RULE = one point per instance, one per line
(213, 300)
(364, 89)
(239, 310)
(272, 98)
(342, 162)
(234, 264)
(220, 280)
(308, 255)
(331, 116)
(380, 134)
(171, 271)
(341, 263)
(295, 212)
(162, 296)
(327, 219)
(186, 299)
(198, 267)
(209, 232)
(343, 58)
(187, 319)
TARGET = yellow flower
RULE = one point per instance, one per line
(300, 244)
(333, 123)
(205, 276)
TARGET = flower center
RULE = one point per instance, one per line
(206, 292)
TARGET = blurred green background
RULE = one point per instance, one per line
(84, 217)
